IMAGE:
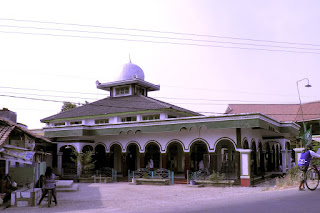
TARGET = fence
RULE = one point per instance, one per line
(147, 173)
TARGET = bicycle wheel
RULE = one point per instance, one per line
(49, 198)
(312, 179)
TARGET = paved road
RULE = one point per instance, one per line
(289, 200)
(123, 197)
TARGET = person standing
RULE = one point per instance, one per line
(49, 184)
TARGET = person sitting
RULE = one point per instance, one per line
(6, 187)
(304, 162)
(49, 184)
(40, 183)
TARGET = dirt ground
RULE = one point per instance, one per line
(125, 197)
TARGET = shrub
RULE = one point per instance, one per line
(216, 176)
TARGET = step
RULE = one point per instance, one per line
(64, 183)
(73, 188)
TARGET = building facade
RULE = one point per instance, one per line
(128, 129)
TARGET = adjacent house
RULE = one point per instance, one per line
(22, 153)
(307, 113)
(128, 129)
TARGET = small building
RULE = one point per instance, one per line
(22, 152)
(128, 128)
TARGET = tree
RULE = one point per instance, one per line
(85, 162)
(67, 106)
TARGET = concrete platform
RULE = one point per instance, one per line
(66, 186)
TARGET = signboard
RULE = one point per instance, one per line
(17, 155)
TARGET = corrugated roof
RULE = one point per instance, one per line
(117, 105)
(280, 112)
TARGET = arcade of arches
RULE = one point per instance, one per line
(265, 157)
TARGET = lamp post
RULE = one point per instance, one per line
(307, 85)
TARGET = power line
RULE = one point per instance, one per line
(40, 90)
(230, 91)
(161, 37)
(49, 95)
(158, 31)
(171, 98)
(160, 42)
(117, 106)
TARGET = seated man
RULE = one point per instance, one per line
(6, 187)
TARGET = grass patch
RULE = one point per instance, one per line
(290, 179)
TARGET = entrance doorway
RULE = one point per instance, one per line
(132, 157)
(175, 157)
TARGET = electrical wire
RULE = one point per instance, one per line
(160, 37)
(117, 106)
(160, 42)
(158, 31)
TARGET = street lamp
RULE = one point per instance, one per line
(307, 85)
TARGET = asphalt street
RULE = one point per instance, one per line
(279, 201)
(125, 197)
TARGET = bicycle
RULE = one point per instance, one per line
(49, 197)
(312, 177)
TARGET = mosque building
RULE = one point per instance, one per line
(128, 128)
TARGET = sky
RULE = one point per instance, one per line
(204, 54)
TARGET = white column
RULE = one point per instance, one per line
(59, 163)
(245, 166)
(297, 154)
(289, 159)
(284, 161)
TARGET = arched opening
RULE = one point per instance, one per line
(115, 157)
(87, 148)
(254, 167)
(199, 156)
(262, 169)
(227, 160)
(175, 157)
(277, 158)
(152, 152)
(273, 154)
(268, 157)
(245, 145)
(69, 168)
(132, 157)
(100, 157)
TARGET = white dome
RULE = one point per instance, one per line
(131, 71)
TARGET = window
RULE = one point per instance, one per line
(122, 90)
(101, 121)
(171, 116)
(75, 122)
(150, 117)
(129, 119)
(141, 91)
(59, 124)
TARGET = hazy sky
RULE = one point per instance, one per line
(253, 52)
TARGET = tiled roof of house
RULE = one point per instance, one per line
(5, 132)
(118, 105)
(7, 126)
(280, 112)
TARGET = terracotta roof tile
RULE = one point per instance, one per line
(280, 112)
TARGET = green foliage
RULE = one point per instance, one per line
(215, 176)
(145, 175)
(86, 162)
(315, 147)
(67, 106)
(290, 178)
